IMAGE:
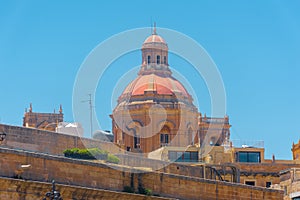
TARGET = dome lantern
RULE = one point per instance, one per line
(155, 55)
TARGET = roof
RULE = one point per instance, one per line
(154, 38)
(162, 85)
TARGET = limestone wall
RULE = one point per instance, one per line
(97, 175)
(263, 172)
(33, 190)
(48, 142)
(290, 182)
(55, 143)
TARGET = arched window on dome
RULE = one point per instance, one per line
(136, 139)
(165, 136)
(148, 59)
(158, 59)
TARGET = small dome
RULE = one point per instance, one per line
(155, 41)
(154, 38)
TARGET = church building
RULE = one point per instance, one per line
(44, 121)
(155, 110)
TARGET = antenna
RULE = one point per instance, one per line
(91, 113)
(151, 25)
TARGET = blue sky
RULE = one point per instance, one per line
(255, 44)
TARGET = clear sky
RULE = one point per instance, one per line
(255, 44)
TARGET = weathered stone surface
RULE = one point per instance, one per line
(98, 175)
(32, 190)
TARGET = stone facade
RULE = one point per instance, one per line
(44, 121)
(48, 141)
(290, 182)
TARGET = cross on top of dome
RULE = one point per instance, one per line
(156, 39)
(154, 29)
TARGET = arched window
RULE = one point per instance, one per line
(158, 59)
(164, 136)
(136, 141)
(165, 59)
(136, 137)
(149, 59)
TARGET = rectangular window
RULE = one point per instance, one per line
(194, 156)
(268, 184)
(187, 156)
(254, 157)
(172, 155)
(178, 156)
(250, 183)
(244, 156)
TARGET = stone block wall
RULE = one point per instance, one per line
(263, 172)
(47, 141)
(114, 177)
(290, 182)
(33, 190)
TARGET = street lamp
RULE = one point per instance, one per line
(53, 194)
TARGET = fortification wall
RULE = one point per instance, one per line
(33, 190)
(32, 139)
(55, 143)
(97, 175)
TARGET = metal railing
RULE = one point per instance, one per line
(248, 143)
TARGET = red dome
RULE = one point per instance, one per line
(160, 85)
(155, 81)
